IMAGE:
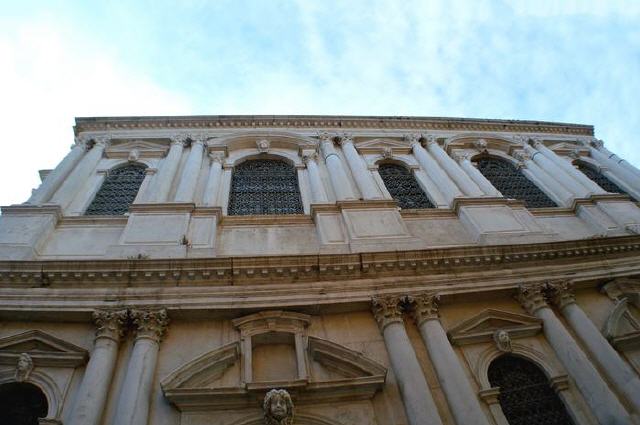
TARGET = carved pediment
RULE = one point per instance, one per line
(379, 145)
(198, 385)
(145, 149)
(622, 328)
(44, 349)
(480, 328)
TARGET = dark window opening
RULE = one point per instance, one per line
(22, 404)
(118, 191)
(403, 187)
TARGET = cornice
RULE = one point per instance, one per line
(311, 268)
(340, 123)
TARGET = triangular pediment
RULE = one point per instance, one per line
(145, 148)
(44, 349)
(481, 327)
(380, 144)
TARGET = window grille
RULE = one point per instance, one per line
(526, 396)
(601, 180)
(264, 186)
(403, 186)
(118, 191)
(512, 183)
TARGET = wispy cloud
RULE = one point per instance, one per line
(574, 61)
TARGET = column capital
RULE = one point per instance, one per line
(217, 156)
(345, 139)
(110, 323)
(522, 155)
(151, 324)
(461, 155)
(178, 138)
(532, 297)
(386, 310)
(412, 138)
(102, 141)
(430, 139)
(561, 293)
(424, 307)
(536, 142)
(309, 156)
(326, 137)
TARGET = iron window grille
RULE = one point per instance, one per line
(512, 183)
(118, 191)
(602, 180)
(526, 396)
(264, 186)
(403, 187)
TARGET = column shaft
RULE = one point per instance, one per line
(362, 176)
(603, 402)
(578, 175)
(475, 174)
(189, 178)
(94, 389)
(213, 180)
(561, 195)
(464, 182)
(165, 175)
(79, 175)
(318, 193)
(560, 175)
(339, 179)
(448, 189)
(619, 372)
(418, 401)
(624, 174)
(55, 178)
(135, 395)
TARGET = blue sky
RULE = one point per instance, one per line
(576, 61)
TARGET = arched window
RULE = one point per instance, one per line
(526, 397)
(22, 404)
(403, 186)
(512, 183)
(118, 191)
(264, 186)
(600, 179)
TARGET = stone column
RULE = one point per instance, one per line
(55, 178)
(561, 176)
(457, 388)
(618, 165)
(212, 188)
(448, 189)
(78, 177)
(167, 171)
(464, 160)
(143, 192)
(93, 391)
(598, 395)
(318, 194)
(362, 176)
(339, 179)
(464, 182)
(578, 175)
(619, 372)
(530, 169)
(189, 178)
(418, 401)
(135, 395)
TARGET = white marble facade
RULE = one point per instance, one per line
(366, 313)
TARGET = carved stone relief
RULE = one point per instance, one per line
(278, 408)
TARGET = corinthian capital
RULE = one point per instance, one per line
(110, 323)
(597, 143)
(345, 139)
(425, 307)
(522, 155)
(429, 139)
(460, 155)
(412, 138)
(150, 324)
(386, 310)
(216, 157)
(325, 137)
(102, 140)
(561, 293)
(532, 297)
(309, 156)
(178, 138)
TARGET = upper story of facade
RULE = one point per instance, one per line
(221, 186)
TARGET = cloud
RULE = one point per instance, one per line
(48, 77)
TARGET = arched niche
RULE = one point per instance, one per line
(22, 403)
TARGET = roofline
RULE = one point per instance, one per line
(328, 122)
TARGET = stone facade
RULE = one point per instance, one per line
(355, 311)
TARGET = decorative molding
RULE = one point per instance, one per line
(622, 328)
(145, 149)
(483, 327)
(424, 307)
(347, 362)
(271, 321)
(561, 293)
(44, 350)
(330, 122)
